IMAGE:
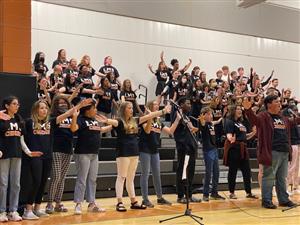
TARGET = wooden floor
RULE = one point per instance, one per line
(241, 211)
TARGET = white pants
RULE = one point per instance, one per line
(293, 169)
(126, 167)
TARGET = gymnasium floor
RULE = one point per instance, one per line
(241, 211)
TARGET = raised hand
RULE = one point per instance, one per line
(167, 109)
(201, 118)
(100, 118)
(85, 102)
(247, 103)
(76, 113)
(4, 116)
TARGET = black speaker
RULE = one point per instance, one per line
(23, 86)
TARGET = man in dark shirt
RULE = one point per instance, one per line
(185, 146)
(273, 149)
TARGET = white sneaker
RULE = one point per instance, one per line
(77, 210)
(93, 207)
(3, 217)
(29, 215)
(40, 213)
(14, 216)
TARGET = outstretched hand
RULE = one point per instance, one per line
(85, 102)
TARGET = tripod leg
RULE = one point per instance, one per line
(196, 220)
(172, 218)
(201, 218)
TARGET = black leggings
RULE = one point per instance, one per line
(235, 162)
(34, 175)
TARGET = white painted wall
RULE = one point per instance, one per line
(133, 43)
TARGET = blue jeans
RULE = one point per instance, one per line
(10, 170)
(150, 160)
(86, 182)
(211, 160)
(277, 173)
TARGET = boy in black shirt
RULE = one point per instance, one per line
(185, 146)
(210, 153)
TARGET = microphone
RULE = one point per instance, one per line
(292, 112)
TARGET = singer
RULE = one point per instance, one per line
(273, 150)
(185, 145)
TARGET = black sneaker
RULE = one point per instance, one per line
(181, 200)
(205, 198)
(162, 201)
(147, 203)
(250, 195)
(268, 205)
(194, 199)
(216, 197)
(288, 204)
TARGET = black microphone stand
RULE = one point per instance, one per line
(188, 211)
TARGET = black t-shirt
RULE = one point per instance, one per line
(182, 134)
(149, 143)
(69, 71)
(280, 139)
(87, 84)
(208, 136)
(105, 101)
(114, 89)
(217, 113)
(183, 90)
(219, 81)
(62, 136)
(10, 133)
(237, 128)
(64, 63)
(38, 138)
(162, 76)
(127, 141)
(109, 69)
(41, 68)
(172, 84)
(88, 141)
(57, 79)
(129, 96)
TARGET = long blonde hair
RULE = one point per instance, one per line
(35, 114)
(131, 123)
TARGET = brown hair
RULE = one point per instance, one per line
(54, 107)
(35, 112)
(131, 123)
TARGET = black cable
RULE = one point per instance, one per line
(255, 216)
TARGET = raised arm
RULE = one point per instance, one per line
(187, 66)
(151, 115)
(70, 112)
(250, 114)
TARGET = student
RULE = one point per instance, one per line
(162, 75)
(61, 60)
(149, 155)
(62, 128)
(183, 89)
(236, 155)
(210, 152)
(39, 65)
(86, 156)
(35, 171)
(108, 68)
(11, 131)
(127, 151)
(185, 146)
(127, 94)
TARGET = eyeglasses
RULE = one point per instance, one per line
(16, 104)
